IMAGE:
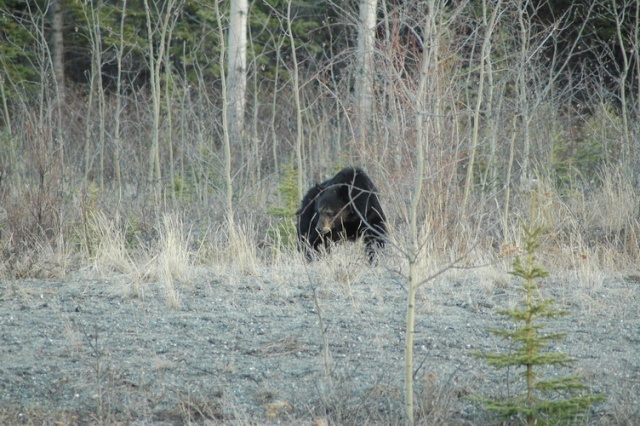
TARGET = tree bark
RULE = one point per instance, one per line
(57, 47)
(57, 59)
(225, 127)
(364, 69)
(237, 68)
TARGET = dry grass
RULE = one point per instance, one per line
(169, 262)
(13, 415)
(590, 235)
(110, 256)
(241, 251)
(108, 251)
(172, 262)
(175, 255)
(232, 248)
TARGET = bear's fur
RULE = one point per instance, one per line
(345, 207)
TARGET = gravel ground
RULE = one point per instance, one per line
(249, 349)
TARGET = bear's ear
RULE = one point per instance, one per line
(320, 188)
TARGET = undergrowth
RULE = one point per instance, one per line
(283, 232)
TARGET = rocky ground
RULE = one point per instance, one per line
(292, 344)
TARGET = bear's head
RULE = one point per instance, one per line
(334, 209)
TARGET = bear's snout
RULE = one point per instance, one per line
(324, 226)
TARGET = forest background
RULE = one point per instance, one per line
(122, 108)
(140, 139)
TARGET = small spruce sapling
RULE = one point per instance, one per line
(284, 232)
(554, 401)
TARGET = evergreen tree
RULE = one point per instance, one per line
(283, 232)
(553, 401)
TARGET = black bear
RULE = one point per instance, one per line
(344, 207)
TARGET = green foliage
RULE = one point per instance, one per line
(18, 46)
(182, 188)
(193, 44)
(546, 401)
(284, 232)
(574, 160)
(133, 233)
(596, 143)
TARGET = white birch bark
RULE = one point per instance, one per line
(237, 67)
(364, 71)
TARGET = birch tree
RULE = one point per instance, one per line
(57, 59)
(225, 126)
(364, 69)
(237, 67)
(489, 24)
(57, 47)
(156, 53)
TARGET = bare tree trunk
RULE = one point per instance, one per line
(624, 72)
(485, 59)
(237, 68)
(116, 132)
(96, 39)
(57, 47)
(636, 54)
(492, 118)
(225, 127)
(155, 67)
(523, 98)
(57, 59)
(429, 62)
(507, 192)
(274, 109)
(296, 96)
(95, 83)
(92, 12)
(364, 70)
(5, 108)
(169, 85)
(87, 130)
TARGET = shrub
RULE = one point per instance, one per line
(558, 400)
(283, 233)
